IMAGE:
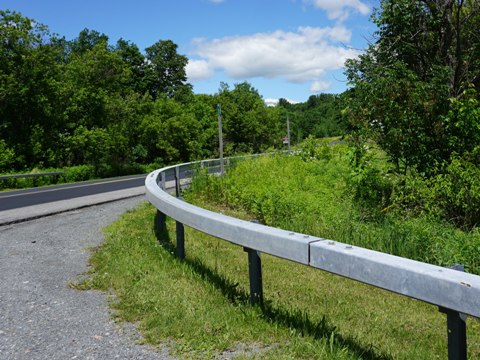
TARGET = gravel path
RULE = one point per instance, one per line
(41, 317)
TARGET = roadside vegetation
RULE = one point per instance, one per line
(316, 191)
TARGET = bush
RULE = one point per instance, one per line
(7, 156)
(315, 149)
(456, 193)
(453, 195)
(370, 183)
(78, 173)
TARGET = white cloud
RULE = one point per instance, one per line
(274, 102)
(301, 56)
(198, 70)
(320, 86)
(271, 102)
(340, 9)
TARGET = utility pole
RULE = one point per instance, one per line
(288, 132)
(220, 137)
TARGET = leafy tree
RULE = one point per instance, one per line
(136, 62)
(86, 41)
(426, 52)
(166, 71)
(93, 77)
(415, 93)
(29, 84)
(125, 113)
(462, 124)
(203, 108)
(248, 125)
(282, 102)
(87, 146)
(170, 133)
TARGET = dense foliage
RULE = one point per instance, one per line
(415, 94)
(415, 88)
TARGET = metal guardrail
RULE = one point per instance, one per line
(17, 176)
(456, 293)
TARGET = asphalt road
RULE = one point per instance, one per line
(28, 197)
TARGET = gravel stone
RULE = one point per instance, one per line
(41, 317)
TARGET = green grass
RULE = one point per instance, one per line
(199, 307)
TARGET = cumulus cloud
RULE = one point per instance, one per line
(300, 56)
(319, 86)
(340, 9)
(198, 70)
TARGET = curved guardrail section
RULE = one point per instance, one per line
(455, 292)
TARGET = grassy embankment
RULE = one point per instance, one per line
(200, 306)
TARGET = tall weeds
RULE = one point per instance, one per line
(316, 192)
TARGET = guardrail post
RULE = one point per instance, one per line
(255, 274)
(180, 235)
(180, 240)
(160, 222)
(456, 330)
(180, 229)
(177, 182)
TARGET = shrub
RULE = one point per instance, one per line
(315, 149)
(78, 173)
(7, 156)
(370, 183)
(452, 195)
(456, 193)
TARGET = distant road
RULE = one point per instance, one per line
(28, 197)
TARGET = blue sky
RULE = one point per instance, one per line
(284, 48)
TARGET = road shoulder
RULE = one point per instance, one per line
(13, 216)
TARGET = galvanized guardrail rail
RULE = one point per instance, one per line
(456, 293)
(34, 175)
(4, 179)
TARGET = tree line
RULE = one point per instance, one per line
(320, 116)
(88, 102)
